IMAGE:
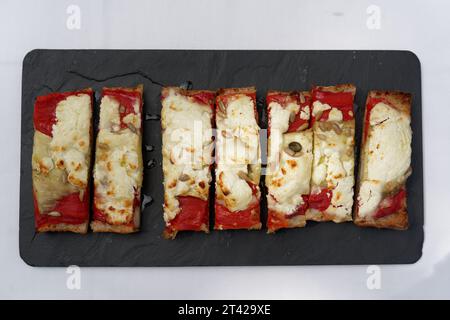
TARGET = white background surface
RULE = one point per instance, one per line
(420, 26)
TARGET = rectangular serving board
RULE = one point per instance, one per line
(46, 71)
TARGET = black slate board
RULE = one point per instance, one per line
(45, 71)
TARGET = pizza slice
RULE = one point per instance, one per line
(118, 161)
(187, 119)
(385, 162)
(290, 158)
(238, 160)
(61, 161)
(332, 182)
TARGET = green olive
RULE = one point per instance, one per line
(295, 146)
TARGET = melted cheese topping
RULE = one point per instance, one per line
(187, 150)
(237, 194)
(335, 115)
(388, 155)
(370, 195)
(319, 107)
(118, 165)
(238, 152)
(288, 176)
(279, 116)
(333, 165)
(49, 183)
(291, 178)
(305, 113)
(70, 144)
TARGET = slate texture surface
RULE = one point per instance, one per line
(45, 71)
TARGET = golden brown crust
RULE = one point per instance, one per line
(288, 97)
(98, 226)
(245, 90)
(397, 221)
(318, 216)
(346, 87)
(306, 93)
(314, 215)
(287, 93)
(397, 99)
(87, 90)
(186, 92)
(64, 227)
(298, 221)
(256, 226)
(139, 88)
(170, 234)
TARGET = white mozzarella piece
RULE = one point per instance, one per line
(335, 115)
(389, 144)
(238, 192)
(319, 107)
(291, 178)
(288, 176)
(370, 195)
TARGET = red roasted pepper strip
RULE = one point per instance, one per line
(193, 215)
(320, 201)
(44, 116)
(126, 99)
(283, 99)
(200, 96)
(72, 210)
(339, 100)
(224, 98)
(277, 220)
(245, 219)
(372, 102)
(391, 204)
